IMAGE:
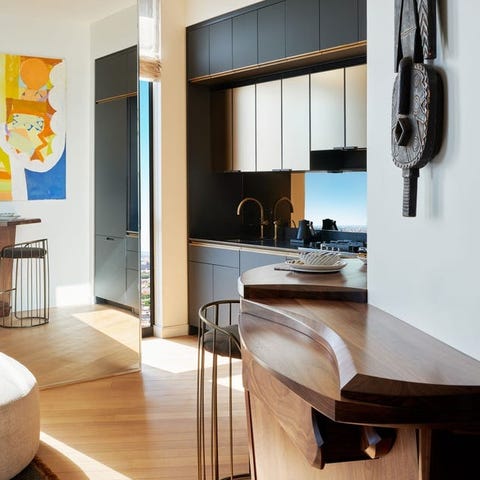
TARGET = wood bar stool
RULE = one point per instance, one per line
(218, 335)
(24, 277)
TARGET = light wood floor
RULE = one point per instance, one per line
(78, 344)
(134, 426)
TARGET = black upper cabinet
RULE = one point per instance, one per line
(338, 23)
(245, 40)
(271, 32)
(362, 19)
(302, 26)
(221, 46)
(198, 48)
(132, 69)
(116, 74)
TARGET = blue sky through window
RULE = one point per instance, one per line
(339, 196)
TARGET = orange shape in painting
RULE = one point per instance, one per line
(34, 72)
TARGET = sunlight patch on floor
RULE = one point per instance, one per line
(89, 466)
(236, 382)
(174, 356)
(122, 327)
(169, 355)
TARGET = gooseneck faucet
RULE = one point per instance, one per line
(263, 221)
(276, 221)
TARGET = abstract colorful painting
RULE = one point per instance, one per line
(32, 128)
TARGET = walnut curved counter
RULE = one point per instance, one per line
(321, 369)
(350, 283)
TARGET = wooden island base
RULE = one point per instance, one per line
(276, 457)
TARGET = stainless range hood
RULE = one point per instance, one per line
(339, 160)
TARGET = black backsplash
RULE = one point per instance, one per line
(213, 197)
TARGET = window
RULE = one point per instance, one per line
(339, 196)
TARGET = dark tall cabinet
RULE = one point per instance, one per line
(116, 179)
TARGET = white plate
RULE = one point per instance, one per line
(8, 217)
(297, 266)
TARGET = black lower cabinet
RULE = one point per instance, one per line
(110, 271)
(213, 275)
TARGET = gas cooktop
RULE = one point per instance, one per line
(349, 246)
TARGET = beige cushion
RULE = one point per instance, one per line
(19, 417)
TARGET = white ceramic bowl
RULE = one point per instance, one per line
(319, 258)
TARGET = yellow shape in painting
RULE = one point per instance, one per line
(3, 110)
(5, 177)
(48, 149)
(12, 66)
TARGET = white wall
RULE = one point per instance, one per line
(66, 223)
(197, 11)
(115, 32)
(170, 178)
(424, 270)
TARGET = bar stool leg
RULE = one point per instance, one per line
(220, 342)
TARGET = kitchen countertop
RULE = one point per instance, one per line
(264, 246)
(350, 283)
(255, 244)
(398, 373)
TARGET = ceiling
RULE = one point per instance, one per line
(83, 11)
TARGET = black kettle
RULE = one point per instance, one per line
(329, 224)
(305, 230)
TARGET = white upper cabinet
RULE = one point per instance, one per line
(296, 123)
(244, 128)
(356, 106)
(274, 125)
(327, 127)
(269, 126)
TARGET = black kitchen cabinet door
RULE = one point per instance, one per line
(116, 74)
(132, 69)
(249, 260)
(200, 288)
(245, 40)
(110, 272)
(221, 46)
(338, 22)
(362, 20)
(111, 163)
(302, 26)
(198, 48)
(271, 32)
(133, 207)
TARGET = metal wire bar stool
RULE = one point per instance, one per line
(220, 341)
(24, 291)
